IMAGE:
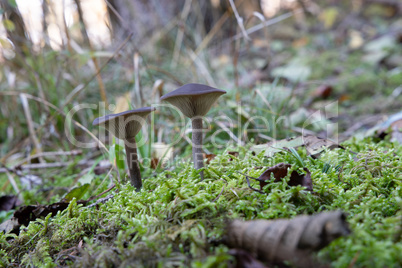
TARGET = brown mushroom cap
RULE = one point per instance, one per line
(193, 99)
(124, 125)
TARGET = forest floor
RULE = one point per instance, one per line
(323, 97)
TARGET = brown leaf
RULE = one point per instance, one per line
(235, 154)
(315, 145)
(25, 214)
(286, 240)
(154, 162)
(280, 171)
(323, 92)
(209, 157)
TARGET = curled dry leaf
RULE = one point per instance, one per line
(293, 240)
(25, 214)
(279, 172)
(234, 154)
(209, 157)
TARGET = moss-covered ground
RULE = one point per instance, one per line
(178, 220)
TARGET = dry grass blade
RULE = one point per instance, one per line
(137, 86)
(217, 26)
(16, 169)
(48, 154)
(168, 74)
(31, 128)
(180, 33)
(265, 24)
(12, 181)
(201, 66)
(230, 133)
(264, 99)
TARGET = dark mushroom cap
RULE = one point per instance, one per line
(193, 99)
(124, 125)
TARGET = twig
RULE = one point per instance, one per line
(248, 182)
(31, 129)
(239, 20)
(265, 24)
(15, 169)
(101, 200)
(47, 154)
(223, 188)
(99, 195)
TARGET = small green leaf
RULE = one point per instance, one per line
(115, 155)
(77, 192)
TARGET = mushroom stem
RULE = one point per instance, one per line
(132, 163)
(197, 144)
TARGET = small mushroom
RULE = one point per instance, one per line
(194, 101)
(126, 126)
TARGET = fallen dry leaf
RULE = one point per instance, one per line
(25, 214)
(209, 157)
(279, 172)
(235, 154)
(315, 145)
(154, 162)
(277, 241)
(323, 91)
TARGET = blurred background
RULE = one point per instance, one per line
(280, 61)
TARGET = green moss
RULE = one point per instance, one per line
(177, 219)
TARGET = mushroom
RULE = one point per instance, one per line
(126, 126)
(194, 101)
